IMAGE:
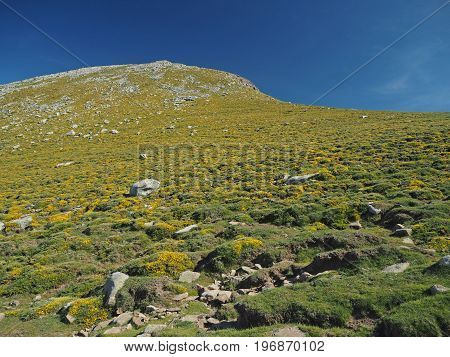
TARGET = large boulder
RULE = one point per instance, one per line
(22, 223)
(144, 187)
(188, 276)
(113, 284)
(295, 180)
(396, 268)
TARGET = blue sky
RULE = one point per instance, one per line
(294, 50)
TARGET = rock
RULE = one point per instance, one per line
(188, 276)
(212, 321)
(117, 329)
(180, 297)
(62, 164)
(407, 241)
(295, 180)
(445, 261)
(139, 319)
(22, 223)
(305, 276)
(187, 229)
(2, 227)
(103, 324)
(144, 187)
(149, 224)
(398, 226)
(143, 156)
(403, 232)
(396, 268)
(70, 133)
(209, 295)
(223, 297)
(151, 330)
(288, 332)
(2, 316)
(173, 309)
(69, 319)
(364, 116)
(14, 303)
(113, 284)
(82, 333)
(235, 223)
(123, 319)
(150, 309)
(114, 131)
(258, 266)
(372, 210)
(355, 225)
(245, 270)
(37, 298)
(438, 289)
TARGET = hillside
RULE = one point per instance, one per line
(300, 220)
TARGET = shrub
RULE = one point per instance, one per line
(169, 263)
(160, 231)
(88, 311)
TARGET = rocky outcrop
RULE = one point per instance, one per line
(144, 187)
(113, 284)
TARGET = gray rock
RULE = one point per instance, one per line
(144, 187)
(123, 319)
(103, 324)
(209, 295)
(445, 261)
(69, 318)
(305, 276)
(139, 319)
(63, 164)
(212, 321)
(113, 284)
(295, 180)
(114, 131)
(187, 229)
(407, 241)
(37, 298)
(22, 223)
(2, 316)
(398, 226)
(70, 133)
(180, 297)
(437, 289)
(396, 268)
(355, 225)
(151, 330)
(188, 276)
(223, 297)
(288, 332)
(245, 270)
(372, 210)
(117, 329)
(2, 227)
(403, 232)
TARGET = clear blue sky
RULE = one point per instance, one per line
(293, 50)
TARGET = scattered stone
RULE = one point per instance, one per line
(258, 266)
(235, 223)
(152, 330)
(407, 241)
(69, 319)
(2, 227)
(143, 156)
(180, 297)
(403, 232)
(113, 284)
(188, 276)
(372, 210)
(212, 321)
(103, 324)
(144, 187)
(22, 223)
(173, 309)
(187, 229)
(438, 289)
(117, 329)
(364, 116)
(2, 316)
(396, 268)
(355, 225)
(70, 133)
(445, 261)
(62, 164)
(123, 319)
(82, 333)
(223, 297)
(139, 319)
(295, 180)
(114, 131)
(288, 332)
(398, 226)
(37, 298)
(14, 303)
(245, 270)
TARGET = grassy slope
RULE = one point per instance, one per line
(389, 158)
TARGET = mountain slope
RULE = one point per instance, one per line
(73, 143)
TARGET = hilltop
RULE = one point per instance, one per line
(300, 220)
